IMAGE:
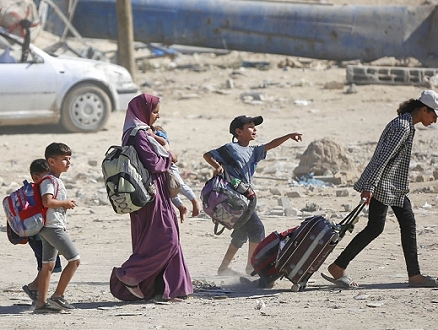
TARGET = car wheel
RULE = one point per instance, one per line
(86, 108)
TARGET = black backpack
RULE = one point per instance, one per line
(128, 184)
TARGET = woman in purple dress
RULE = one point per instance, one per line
(156, 268)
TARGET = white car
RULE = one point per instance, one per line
(77, 93)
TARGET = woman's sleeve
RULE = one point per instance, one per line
(151, 161)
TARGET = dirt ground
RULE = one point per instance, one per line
(196, 110)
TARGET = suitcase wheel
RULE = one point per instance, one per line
(295, 288)
(298, 287)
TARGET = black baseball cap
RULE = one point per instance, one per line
(239, 121)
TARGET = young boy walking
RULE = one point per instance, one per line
(243, 129)
(38, 169)
(54, 236)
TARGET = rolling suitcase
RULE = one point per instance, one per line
(313, 241)
(265, 255)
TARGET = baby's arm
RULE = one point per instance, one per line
(276, 142)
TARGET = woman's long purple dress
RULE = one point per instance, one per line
(156, 248)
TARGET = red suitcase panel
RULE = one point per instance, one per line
(265, 255)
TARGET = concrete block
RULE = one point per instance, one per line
(388, 75)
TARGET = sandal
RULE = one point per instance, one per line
(344, 282)
(134, 290)
(47, 308)
(163, 301)
(33, 294)
(428, 282)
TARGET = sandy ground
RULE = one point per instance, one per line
(196, 111)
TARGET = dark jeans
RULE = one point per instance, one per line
(376, 223)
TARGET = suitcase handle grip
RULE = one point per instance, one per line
(348, 220)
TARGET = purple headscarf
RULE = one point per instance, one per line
(139, 111)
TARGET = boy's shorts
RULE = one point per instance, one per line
(57, 240)
(37, 247)
(253, 229)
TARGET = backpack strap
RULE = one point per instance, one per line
(216, 228)
(134, 133)
(54, 182)
(225, 153)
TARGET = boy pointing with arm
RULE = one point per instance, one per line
(243, 129)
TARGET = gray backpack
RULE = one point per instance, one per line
(128, 184)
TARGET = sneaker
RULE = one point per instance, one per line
(33, 294)
(47, 308)
(60, 302)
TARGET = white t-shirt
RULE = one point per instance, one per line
(55, 217)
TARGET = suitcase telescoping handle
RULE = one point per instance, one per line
(349, 219)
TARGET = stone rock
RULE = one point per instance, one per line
(292, 212)
(287, 207)
(351, 90)
(420, 178)
(92, 162)
(310, 207)
(275, 191)
(251, 96)
(418, 168)
(81, 176)
(325, 155)
(342, 193)
(293, 194)
(277, 210)
(283, 201)
(103, 200)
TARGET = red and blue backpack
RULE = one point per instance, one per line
(25, 212)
